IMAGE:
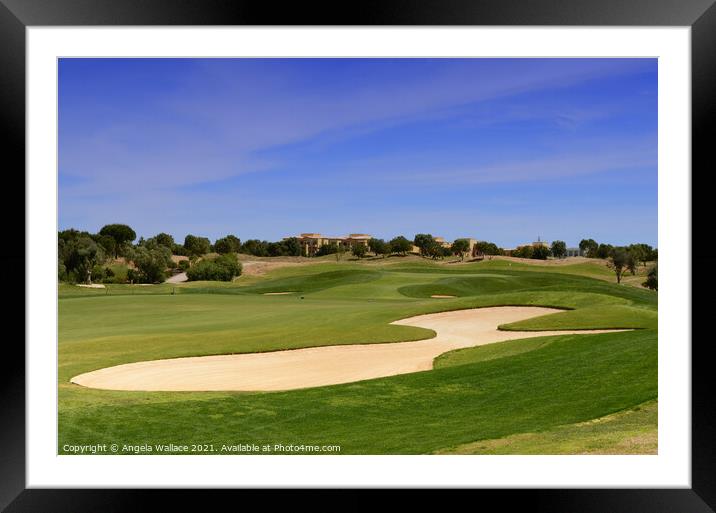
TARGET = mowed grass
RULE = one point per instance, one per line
(511, 388)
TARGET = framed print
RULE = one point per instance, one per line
(417, 248)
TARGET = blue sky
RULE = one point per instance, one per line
(503, 150)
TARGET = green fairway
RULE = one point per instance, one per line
(492, 392)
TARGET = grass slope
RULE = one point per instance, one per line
(631, 431)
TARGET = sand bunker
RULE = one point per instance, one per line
(93, 286)
(277, 293)
(329, 365)
(441, 296)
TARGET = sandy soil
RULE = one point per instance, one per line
(441, 296)
(551, 261)
(261, 267)
(312, 367)
(277, 293)
(177, 278)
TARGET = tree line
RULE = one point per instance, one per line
(91, 257)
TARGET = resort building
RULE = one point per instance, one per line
(312, 242)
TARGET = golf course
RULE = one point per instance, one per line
(569, 390)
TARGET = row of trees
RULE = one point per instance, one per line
(83, 256)
(643, 253)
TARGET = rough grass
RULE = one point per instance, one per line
(632, 431)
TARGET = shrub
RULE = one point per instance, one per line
(152, 260)
(559, 248)
(359, 250)
(184, 265)
(255, 247)
(221, 268)
(488, 248)
(523, 252)
(327, 249)
(198, 246)
(228, 244)
(400, 245)
(540, 252)
(652, 279)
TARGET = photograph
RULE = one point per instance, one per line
(357, 256)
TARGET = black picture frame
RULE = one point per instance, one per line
(700, 15)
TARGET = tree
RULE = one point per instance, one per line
(196, 246)
(222, 268)
(631, 262)
(151, 260)
(359, 250)
(424, 242)
(121, 233)
(604, 251)
(588, 247)
(379, 247)
(327, 249)
(559, 249)
(652, 279)
(275, 249)
(540, 252)
(488, 248)
(255, 247)
(436, 250)
(400, 245)
(523, 252)
(108, 243)
(228, 244)
(642, 252)
(292, 246)
(165, 240)
(375, 244)
(617, 262)
(78, 256)
(460, 247)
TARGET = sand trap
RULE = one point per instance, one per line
(441, 296)
(177, 278)
(93, 286)
(313, 367)
(277, 293)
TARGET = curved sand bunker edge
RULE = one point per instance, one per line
(297, 368)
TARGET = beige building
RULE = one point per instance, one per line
(312, 242)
